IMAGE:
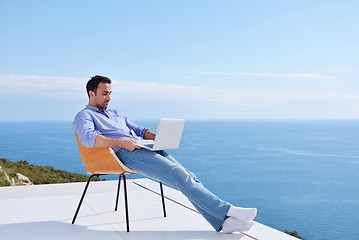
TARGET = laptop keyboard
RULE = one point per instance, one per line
(148, 145)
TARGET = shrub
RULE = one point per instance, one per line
(3, 181)
(294, 234)
(40, 174)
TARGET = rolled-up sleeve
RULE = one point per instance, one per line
(85, 129)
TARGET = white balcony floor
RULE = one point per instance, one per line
(45, 212)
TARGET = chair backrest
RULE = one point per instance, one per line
(101, 160)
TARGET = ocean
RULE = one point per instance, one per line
(301, 175)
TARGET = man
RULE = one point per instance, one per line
(98, 126)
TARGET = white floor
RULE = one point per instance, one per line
(45, 212)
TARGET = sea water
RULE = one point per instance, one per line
(301, 175)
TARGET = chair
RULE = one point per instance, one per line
(104, 161)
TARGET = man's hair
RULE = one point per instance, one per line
(92, 84)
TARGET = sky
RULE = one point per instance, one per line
(196, 59)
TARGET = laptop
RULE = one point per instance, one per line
(168, 135)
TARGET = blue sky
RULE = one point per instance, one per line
(191, 59)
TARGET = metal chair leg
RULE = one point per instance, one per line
(118, 191)
(126, 205)
(117, 198)
(163, 200)
(83, 195)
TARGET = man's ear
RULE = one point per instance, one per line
(92, 93)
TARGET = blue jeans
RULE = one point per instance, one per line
(164, 168)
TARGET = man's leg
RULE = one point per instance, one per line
(162, 167)
(243, 215)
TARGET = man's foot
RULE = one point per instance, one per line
(232, 224)
(242, 214)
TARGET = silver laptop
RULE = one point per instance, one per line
(168, 135)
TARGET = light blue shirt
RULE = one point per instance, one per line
(90, 121)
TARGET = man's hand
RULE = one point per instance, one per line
(102, 141)
(149, 135)
(130, 144)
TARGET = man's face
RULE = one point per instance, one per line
(102, 97)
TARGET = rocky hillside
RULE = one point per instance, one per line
(22, 173)
(17, 180)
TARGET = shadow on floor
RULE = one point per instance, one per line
(56, 230)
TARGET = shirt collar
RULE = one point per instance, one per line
(95, 108)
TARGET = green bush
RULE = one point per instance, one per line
(294, 234)
(39, 174)
(3, 181)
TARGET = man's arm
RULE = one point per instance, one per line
(102, 141)
(149, 135)
(129, 144)
(139, 130)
